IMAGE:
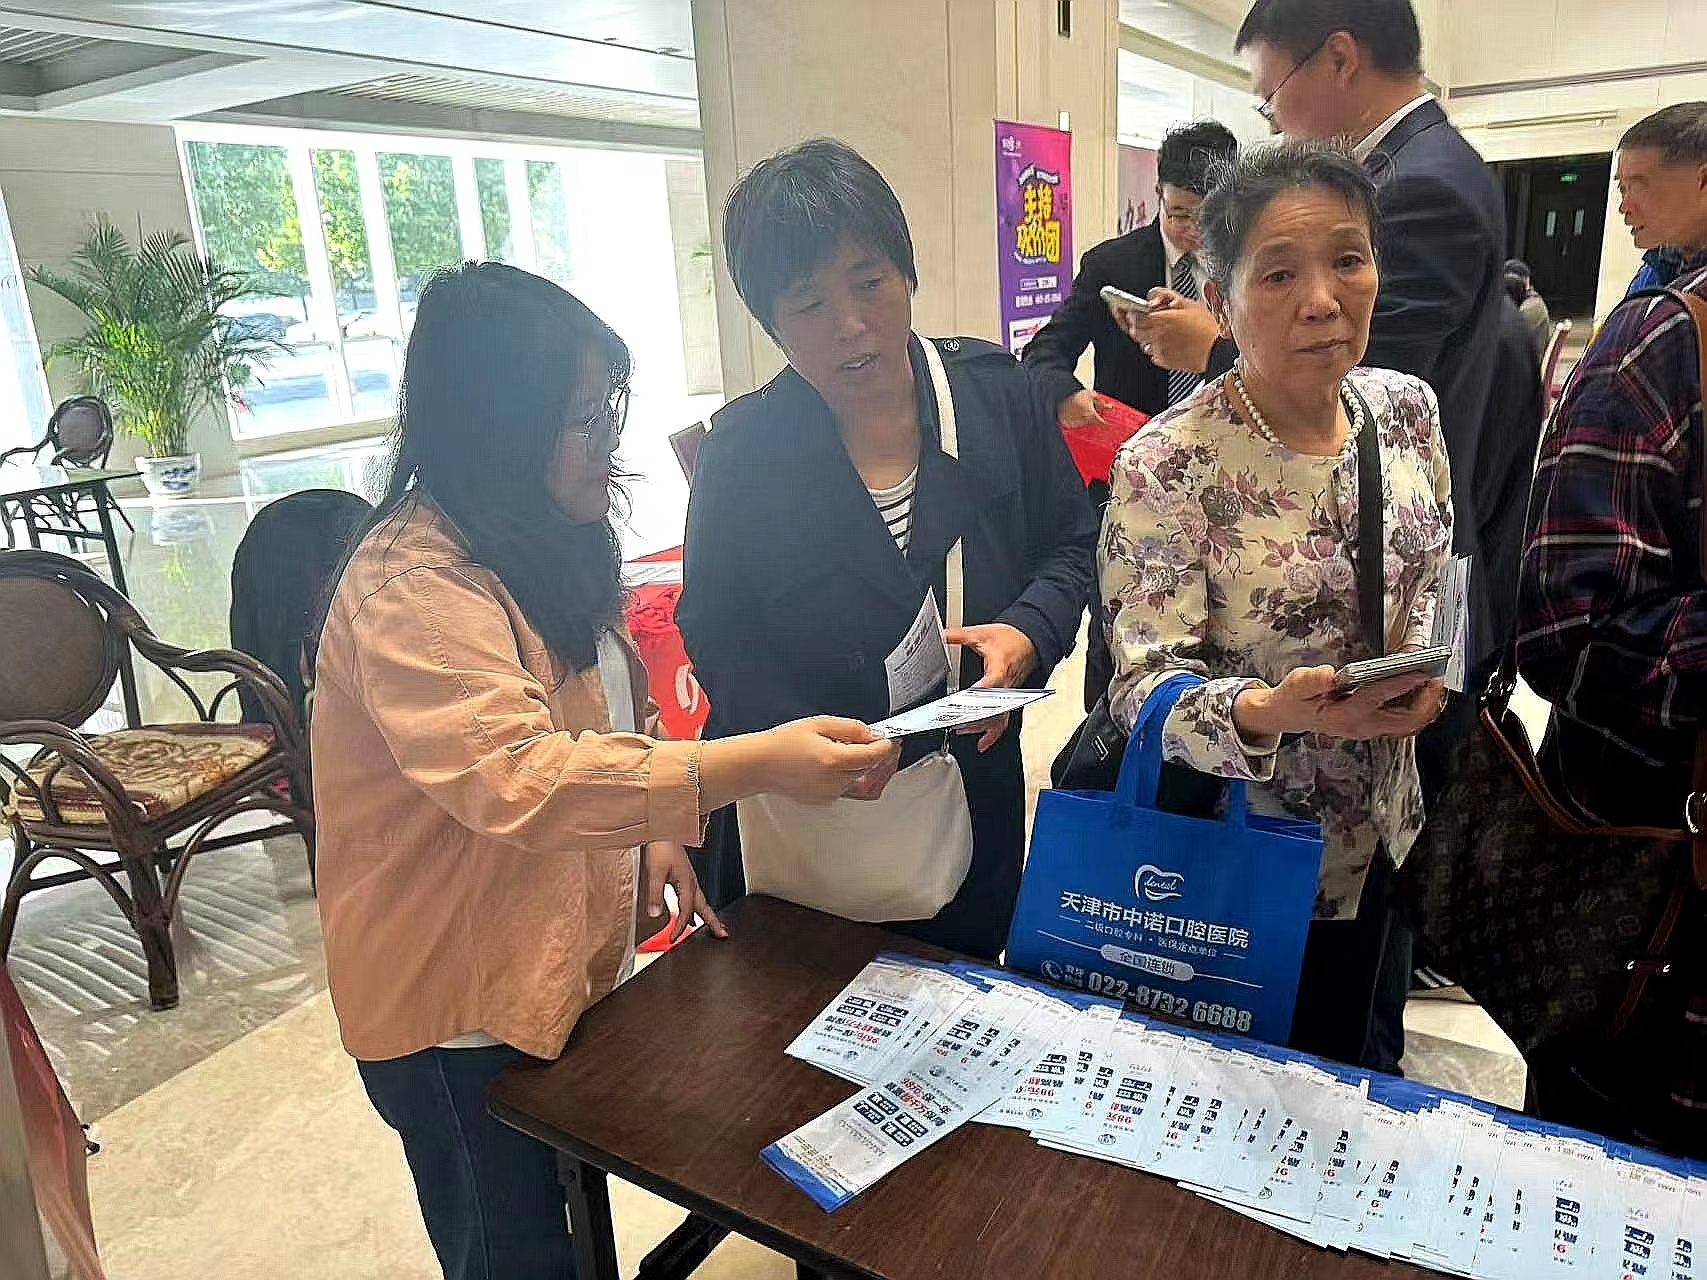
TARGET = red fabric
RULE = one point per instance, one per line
(652, 622)
(58, 1158)
(1093, 448)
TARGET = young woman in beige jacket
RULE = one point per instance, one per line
(492, 798)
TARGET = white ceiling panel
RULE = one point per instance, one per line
(478, 95)
(22, 46)
(425, 40)
(658, 26)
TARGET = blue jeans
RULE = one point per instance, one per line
(489, 1194)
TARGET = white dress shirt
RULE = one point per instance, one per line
(1199, 273)
(1378, 135)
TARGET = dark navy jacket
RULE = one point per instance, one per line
(794, 592)
(1441, 248)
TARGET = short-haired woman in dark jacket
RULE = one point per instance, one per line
(824, 506)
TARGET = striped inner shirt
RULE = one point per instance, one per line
(896, 507)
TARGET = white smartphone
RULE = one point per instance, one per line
(1431, 662)
(1118, 300)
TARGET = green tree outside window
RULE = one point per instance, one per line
(347, 249)
(420, 209)
(248, 214)
(494, 208)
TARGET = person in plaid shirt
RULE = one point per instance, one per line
(1612, 624)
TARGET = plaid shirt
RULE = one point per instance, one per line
(1612, 625)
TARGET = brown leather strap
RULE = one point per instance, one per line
(1655, 961)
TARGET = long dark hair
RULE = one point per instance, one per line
(495, 359)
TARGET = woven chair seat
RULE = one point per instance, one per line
(162, 768)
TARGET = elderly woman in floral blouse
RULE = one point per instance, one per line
(1230, 550)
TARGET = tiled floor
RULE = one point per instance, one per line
(239, 1107)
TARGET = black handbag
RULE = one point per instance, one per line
(1090, 761)
(1584, 943)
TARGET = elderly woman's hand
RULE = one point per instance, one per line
(1307, 701)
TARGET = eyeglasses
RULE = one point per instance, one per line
(1265, 108)
(607, 423)
(1184, 219)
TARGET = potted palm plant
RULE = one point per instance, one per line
(158, 347)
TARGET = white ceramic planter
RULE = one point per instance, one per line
(176, 477)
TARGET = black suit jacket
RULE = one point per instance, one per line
(1441, 251)
(1506, 463)
(1136, 262)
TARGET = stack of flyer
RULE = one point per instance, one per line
(1341, 1158)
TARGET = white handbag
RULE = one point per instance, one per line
(901, 857)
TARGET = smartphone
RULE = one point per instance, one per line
(1430, 662)
(1118, 300)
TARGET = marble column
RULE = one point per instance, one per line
(916, 88)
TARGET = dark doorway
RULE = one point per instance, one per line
(1555, 211)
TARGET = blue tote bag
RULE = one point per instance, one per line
(1199, 919)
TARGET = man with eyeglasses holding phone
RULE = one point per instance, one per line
(1162, 254)
(1141, 262)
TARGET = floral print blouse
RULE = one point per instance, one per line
(1235, 559)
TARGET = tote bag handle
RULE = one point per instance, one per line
(949, 430)
(1141, 768)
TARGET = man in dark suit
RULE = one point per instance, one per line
(1352, 70)
(1160, 255)
(1152, 257)
(1507, 460)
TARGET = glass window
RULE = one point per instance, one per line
(494, 208)
(347, 252)
(339, 282)
(369, 353)
(247, 207)
(248, 213)
(23, 386)
(420, 211)
(548, 205)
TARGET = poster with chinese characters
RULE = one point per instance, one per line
(1034, 226)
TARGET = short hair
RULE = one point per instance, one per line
(1190, 153)
(1387, 28)
(786, 217)
(1678, 133)
(1245, 187)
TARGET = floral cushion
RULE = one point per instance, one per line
(161, 768)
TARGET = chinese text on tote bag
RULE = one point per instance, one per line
(1199, 919)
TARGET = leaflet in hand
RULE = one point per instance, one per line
(969, 706)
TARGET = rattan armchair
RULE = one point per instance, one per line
(150, 797)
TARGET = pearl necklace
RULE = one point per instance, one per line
(1354, 414)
